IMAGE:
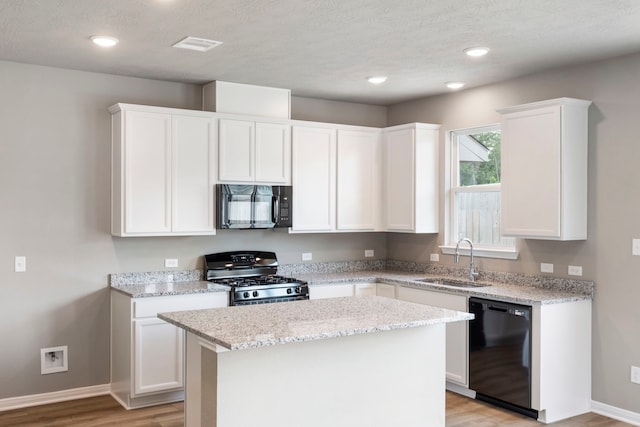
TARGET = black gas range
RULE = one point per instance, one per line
(252, 278)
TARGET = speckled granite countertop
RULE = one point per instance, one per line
(503, 286)
(518, 293)
(243, 327)
(142, 290)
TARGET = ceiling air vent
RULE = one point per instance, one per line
(196, 43)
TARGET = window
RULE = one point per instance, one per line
(474, 196)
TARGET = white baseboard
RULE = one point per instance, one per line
(616, 413)
(53, 397)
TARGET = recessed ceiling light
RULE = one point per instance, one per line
(197, 43)
(476, 51)
(105, 41)
(376, 80)
(454, 85)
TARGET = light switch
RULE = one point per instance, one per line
(368, 253)
(635, 246)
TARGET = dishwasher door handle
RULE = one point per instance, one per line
(502, 309)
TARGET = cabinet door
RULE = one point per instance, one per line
(237, 150)
(147, 172)
(193, 177)
(331, 291)
(365, 289)
(273, 153)
(531, 173)
(314, 178)
(457, 345)
(359, 170)
(158, 356)
(400, 190)
(386, 290)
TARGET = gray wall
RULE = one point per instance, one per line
(614, 205)
(54, 199)
(347, 113)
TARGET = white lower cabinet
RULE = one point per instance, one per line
(386, 290)
(147, 353)
(349, 289)
(157, 356)
(331, 290)
(457, 358)
(561, 360)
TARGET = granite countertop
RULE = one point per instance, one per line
(142, 290)
(521, 293)
(521, 289)
(243, 327)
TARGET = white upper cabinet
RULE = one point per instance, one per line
(254, 152)
(337, 179)
(412, 178)
(163, 171)
(544, 170)
(314, 178)
(359, 181)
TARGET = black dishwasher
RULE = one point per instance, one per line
(500, 354)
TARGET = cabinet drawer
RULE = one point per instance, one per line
(147, 307)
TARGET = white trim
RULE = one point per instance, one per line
(483, 252)
(461, 390)
(615, 413)
(53, 397)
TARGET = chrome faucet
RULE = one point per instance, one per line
(456, 257)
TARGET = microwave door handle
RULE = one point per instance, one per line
(275, 210)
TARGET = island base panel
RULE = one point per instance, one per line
(379, 379)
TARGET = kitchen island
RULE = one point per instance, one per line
(337, 362)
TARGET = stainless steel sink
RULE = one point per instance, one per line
(453, 282)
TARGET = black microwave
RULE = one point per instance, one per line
(243, 206)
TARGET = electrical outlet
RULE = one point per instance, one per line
(307, 256)
(635, 246)
(20, 264)
(575, 270)
(635, 374)
(368, 253)
(171, 262)
(434, 257)
(546, 267)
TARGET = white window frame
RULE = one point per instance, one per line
(451, 178)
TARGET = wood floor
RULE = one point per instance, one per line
(104, 411)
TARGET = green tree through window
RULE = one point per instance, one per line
(477, 172)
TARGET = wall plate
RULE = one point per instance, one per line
(54, 359)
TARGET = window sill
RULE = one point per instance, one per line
(483, 252)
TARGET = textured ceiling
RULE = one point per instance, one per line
(321, 48)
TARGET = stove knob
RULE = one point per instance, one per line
(289, 290)
(297, 290)
(246, 294)
(255, 293)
